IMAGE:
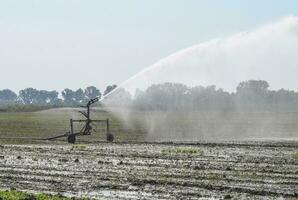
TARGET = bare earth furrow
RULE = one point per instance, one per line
(152, 171)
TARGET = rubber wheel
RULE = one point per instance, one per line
(110, 137)
(71, 138)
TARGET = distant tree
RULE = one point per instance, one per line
(38, 97)
(121, 97)
(166, 96)
(7, 96)
(283, 99)
(253, 92)
(206, 98)
(68, 96)
(44, 97)
(202, 97)
(28, 95)
(109, 89)
(53, 98)
(48, 97)
(73, 97)
(79, 95)
(92, 92)
(253, 85)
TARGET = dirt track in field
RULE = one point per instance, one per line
(154, 171)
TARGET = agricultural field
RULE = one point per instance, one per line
(135, 166)
(153, 170)
(31, 126)
(152, 126)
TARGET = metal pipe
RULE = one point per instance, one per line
(71, 126)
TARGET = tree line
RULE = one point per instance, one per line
(249, 95)
(68, 97)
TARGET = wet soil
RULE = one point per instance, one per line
(254, 170)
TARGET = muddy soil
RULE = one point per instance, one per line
(255, 170)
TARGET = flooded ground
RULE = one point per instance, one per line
(255, 170)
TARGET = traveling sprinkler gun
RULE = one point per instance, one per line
(87, 128)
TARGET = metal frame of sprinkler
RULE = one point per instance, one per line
(87, 129)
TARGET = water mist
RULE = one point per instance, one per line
(267, 53)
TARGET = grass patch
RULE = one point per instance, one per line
(26, 108)
(18, 195)
(213, 177)
(79, 147)
(295, 155)
(182, 150)
(50, 123)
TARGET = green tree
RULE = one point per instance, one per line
(28, 95)
(68, 96)
(253, 92)
(38, 97)
(109, 88)
(73, 97)
(7, 96)
(92, 92)
(79, 95)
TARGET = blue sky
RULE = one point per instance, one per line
(55, 44)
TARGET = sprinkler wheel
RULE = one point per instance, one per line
(71, 138)
(110, 137)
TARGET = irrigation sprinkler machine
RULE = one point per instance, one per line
(87, 127)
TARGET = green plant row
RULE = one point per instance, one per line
(19, 195)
